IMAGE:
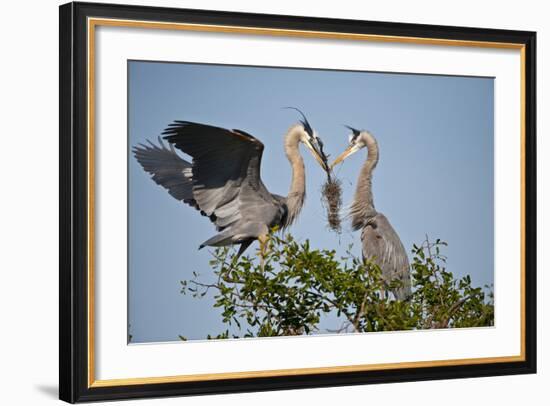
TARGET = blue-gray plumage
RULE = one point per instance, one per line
(379, 240)
(223, 181)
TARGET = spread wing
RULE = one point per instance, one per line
(226, 169)
(168, 170)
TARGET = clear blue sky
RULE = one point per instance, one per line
(435, 174)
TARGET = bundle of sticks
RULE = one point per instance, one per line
(332, 199)
(331, 196)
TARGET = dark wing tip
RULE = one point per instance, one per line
(249, 137)
(141, 148)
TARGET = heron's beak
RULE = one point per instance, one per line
(352, 149)
(318, 154)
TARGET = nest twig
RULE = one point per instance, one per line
(332, 198)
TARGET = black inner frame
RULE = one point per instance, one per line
(73, 296)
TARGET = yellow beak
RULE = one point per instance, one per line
(352, 149)
(317, 155)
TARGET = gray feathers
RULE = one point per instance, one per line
(223, 181)
(167, 168)
(382, 245)
(379, 240)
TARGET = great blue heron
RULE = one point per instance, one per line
(223, 181)
(379, 240)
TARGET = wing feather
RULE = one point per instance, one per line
(166, 168)
(381, 243)
(226, 166)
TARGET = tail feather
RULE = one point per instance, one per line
(221, 239)
(244, 246)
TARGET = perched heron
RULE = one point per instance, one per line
(379, 240)
(223, 180)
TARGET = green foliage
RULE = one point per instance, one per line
(288, 287)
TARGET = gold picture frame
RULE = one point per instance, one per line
(79, 21)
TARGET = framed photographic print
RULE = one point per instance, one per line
(256, 202)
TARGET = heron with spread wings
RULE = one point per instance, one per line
(379, 240)
(223, 180)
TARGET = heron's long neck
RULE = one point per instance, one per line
(362, 208)
(297, 191)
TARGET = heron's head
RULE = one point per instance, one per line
(357, 140)
(312, 141)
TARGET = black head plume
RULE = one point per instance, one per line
(354, 131)
(304, 122)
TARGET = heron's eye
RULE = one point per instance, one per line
(351, 138)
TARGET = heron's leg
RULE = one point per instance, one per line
(263, 239)
(383, 293)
